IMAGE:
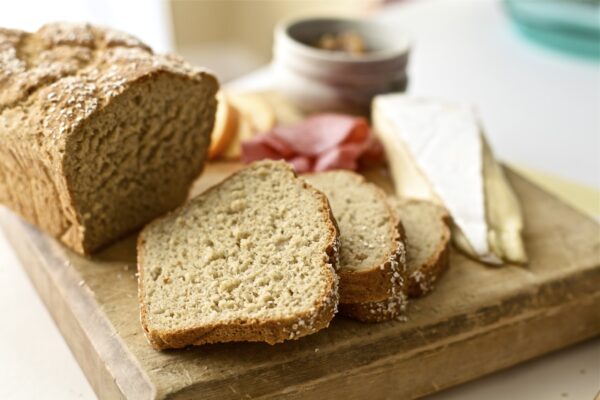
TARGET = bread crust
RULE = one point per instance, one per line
(378, 311)
(394, 305)
(381, 281)
(421, 281)
(384, 278)
(417, 283)
(229, 128)
(53, 82)
(271, 331)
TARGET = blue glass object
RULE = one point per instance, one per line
(572, 26)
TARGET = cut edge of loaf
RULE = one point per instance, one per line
(384, 279)
(179, 192)
(271, 331)
(60, 79)
(421, 280)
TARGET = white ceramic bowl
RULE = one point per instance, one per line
(322, 80)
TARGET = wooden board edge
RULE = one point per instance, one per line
(386, 378)
(24, 251)
(83, 327)
(557, 309)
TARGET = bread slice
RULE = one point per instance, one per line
(255, 115)
(225, 129)
(256, 109)
(251, 259)
(98, 134)
(427, 237)
(285, 112)
(427, 228)
(372, 253)
(244, 132)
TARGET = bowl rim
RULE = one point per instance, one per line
(282, 33)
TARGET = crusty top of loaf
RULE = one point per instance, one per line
(66, 71)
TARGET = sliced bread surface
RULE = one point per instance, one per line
(427, 228)
(426, 233)
(251, 259)
(372, 253)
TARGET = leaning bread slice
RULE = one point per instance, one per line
(427, 228)
(225, 128)
(255, 108)
(426, 233)
(244, 131)
(372, 253)
(251, 259)
(255, 115)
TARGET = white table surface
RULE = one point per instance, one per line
(541, 109)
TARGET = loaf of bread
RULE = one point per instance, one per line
(372, 257)
(98, 135)
(251, 259)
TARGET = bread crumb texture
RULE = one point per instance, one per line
(372, 255)
(251, 259)
(427, 228)
(363, 218)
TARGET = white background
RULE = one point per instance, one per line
(147, 19)
(541, 109)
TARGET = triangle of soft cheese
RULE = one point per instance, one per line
(436, 151)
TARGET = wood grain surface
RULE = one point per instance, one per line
(478, 320)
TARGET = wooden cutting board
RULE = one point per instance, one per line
(479, 319)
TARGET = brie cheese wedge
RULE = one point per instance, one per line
(437, 151)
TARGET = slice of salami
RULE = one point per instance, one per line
(319, 143)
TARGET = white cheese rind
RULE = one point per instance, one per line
(437, 151)
(443, 141)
